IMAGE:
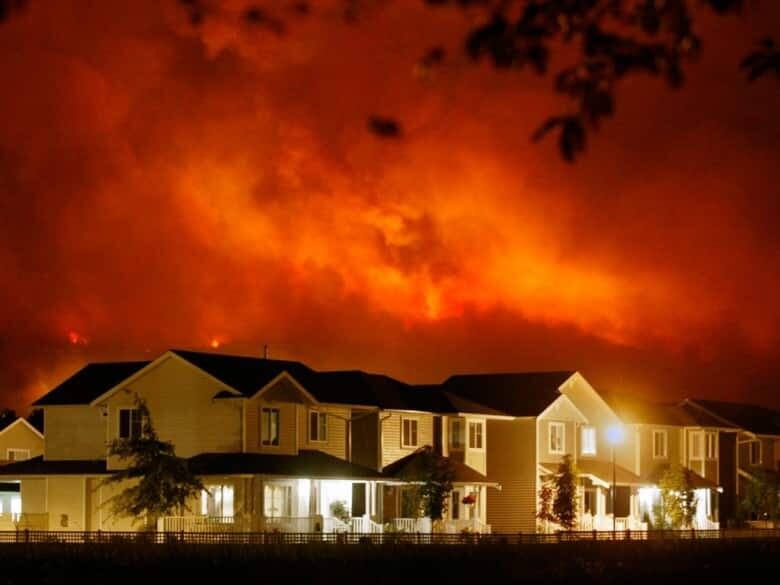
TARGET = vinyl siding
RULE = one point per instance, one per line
(365, 439)
(561, 411)
(391, 435)
(74, 432)
(649, 464)
(181, 403)
(20, 436)
(476, 458)
(513, 465)
(65, 503)
(336, 443)
(33, 492)
(288, 421)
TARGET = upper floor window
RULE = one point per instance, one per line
(18, 454)
(269, 426)
(660, 444)
(130, 424)
(318, 426)
(712, 445)
(696, 445)
(754, 453)
(556, 442)
(457, 441)
(588, 436)
(476, 428)
(409, 436)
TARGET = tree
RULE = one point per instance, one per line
(162, 483)
(431, 475)
(762, 495)
(608, 41)
(558, 496)
(678, 499)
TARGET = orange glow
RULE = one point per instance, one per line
(215, 343)
(77, 339)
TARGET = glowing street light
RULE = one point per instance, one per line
(614, 437)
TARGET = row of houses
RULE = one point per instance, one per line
(281, 446)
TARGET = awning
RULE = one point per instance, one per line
(413, 465)
(600, 472)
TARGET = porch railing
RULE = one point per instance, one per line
(422, 525)
(365, 525)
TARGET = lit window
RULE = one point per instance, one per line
(318, 426)
(129, 423)
(269, 426)
(660, 444)
(409, 432)
(277, 501)
(456, 434)
(556, 437)
(696, 445)
(588, 441)
(475, 435)
(18, 454)
(217, 500)
(755, 452)
(712, 445)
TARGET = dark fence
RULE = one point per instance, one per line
(279, 538)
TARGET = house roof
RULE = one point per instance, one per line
(89, 382)
(693, 415)
(697, 481)
(414, 464)
(632, 409)
(751, 417)
(513, 394)
(307, 464)
(39, 466)
(602, 470)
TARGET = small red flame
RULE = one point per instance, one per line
(215, 343)
(77, 339)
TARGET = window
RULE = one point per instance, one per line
(277, 501)
(129, 423)
(696, 445)
(318, 426)
(475, 435)
(556, 442)
(217, 500)
(18, 454)
(455, 505)
(712, 445)
(588, 441)
(456, 434)
(660, 444)
(269, 426)
(408, 432)
(754, 452)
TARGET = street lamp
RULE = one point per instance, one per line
(614, 437)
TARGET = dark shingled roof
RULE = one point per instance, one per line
(412, 466)
(694, 416)
(632, 409)
(308, 464)
(90, 382)
(514, 394)
(38, 466)
(751, 417)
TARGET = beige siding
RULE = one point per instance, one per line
(183, 409)
(105, 517)
(336, 443)
(20, 436)
(74, 432)
(33, 492)
(513, 465)
(476, 458)
(288, 420)
(561, 411)
(65, 502)
(391, 434)
(365, 439)
(648, 464)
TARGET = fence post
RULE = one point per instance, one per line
(628, 534)
(26, 535)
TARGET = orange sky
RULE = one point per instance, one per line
(163, 185)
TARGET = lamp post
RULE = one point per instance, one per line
(614, 437)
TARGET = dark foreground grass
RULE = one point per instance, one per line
(661, 563)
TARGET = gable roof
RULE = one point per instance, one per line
(22, 421)
(632, 409)
(513, 394)
(759, 420)
(89, 382)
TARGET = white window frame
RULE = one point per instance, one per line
(412, 421)
(322, 426)
(481, 435)
(462, 445)
(711, 439)
(697, 454)
(14, 450)
(562, 427)
(131, 409)
(665, 451)
(591, 431)
(217, 493)
(263, 424)
(760, 452)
